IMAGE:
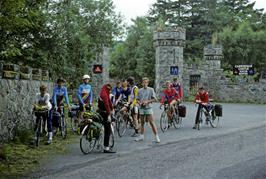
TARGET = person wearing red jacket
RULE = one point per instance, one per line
(105, 108)
(171, 96)
(202, 98)
(177, 86)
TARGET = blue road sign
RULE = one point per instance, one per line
(174, 70)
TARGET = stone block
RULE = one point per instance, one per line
(45, 75)
(25, 73)
(11, 71)
(36, 74)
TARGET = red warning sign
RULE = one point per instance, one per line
(97, 68)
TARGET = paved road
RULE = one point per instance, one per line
(237, 149)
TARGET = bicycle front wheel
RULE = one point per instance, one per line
(164, 121)
(121, 125)
(87, 142)
(63, 128)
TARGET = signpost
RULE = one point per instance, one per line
(243, 70)
(174, 70)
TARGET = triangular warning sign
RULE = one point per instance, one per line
(98, 69)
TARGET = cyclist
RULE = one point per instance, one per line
(85, 94)
(116, 92)
(172, 97)
(42, 101)
(133, 104)
(177, 86)
(59, 93)
(146, 96)
(105, 110)
(125, 92)
(202, 98)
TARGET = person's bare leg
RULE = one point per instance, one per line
(152, 123)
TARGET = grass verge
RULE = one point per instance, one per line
(20, 157)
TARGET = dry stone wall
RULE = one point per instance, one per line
(16, 100)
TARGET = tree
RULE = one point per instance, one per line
(136, 55)
(243, 46)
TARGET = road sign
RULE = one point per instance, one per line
(97, 69)
(174, 70)
(243, 70)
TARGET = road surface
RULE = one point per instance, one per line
(236, 149)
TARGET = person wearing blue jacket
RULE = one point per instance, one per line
(59, 93)
(85, 94)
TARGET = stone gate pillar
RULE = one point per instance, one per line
(213, 55)
(99, 71)
(169, 46)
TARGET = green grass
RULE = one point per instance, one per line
(20, 157)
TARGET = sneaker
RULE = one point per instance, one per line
(157, 139)
(49, 142)
(140, 138)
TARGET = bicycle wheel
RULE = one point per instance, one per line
(38, 132)
(200, 119)
(63, 128)
(164, 121)
(122, 124)
(111, 140)
(177, 121)
(99, 141)
(87, 141)
(38, 135)
(214, 121)
(74, 124)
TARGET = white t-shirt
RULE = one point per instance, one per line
(43, 100)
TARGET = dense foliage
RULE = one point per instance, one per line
(234, 24)
(63, 36)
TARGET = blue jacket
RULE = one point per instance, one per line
(85, 94)
(59, 94)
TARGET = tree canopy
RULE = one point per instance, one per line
(63, 36)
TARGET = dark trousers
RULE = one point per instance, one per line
(107, 129)
(200, 106)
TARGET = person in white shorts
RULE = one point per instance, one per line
(146, 96)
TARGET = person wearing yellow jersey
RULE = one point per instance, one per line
(134, 105)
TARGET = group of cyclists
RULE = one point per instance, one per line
(138, 100)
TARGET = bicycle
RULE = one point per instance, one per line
(60, 122)
(165, 122)
(93, 133)
(74, 115)
(210, 117)
(40, 124)
(124, 120)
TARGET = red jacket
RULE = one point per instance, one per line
(169, 95)
(204, 97)
(105, 99)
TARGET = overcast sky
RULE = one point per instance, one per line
(133, 8)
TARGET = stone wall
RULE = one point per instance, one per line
(241, 90)
(16, 100)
